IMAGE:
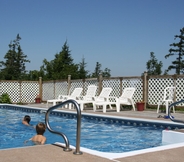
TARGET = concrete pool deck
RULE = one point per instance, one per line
(48, 153)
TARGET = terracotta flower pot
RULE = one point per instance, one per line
(140, 106)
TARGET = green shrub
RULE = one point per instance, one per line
(4, 98)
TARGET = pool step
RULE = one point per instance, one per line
(172, 136)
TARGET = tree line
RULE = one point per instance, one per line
(14, 66)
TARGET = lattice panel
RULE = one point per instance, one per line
(180, 90)
(48, 91)
(13, 90)
(88, 83)
(137, 83)
(29, 91)
(61, 88)
(114, 84)
(76, 84)
(156, 89)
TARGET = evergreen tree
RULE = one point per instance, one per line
(97, 70)
(14, 67)
(153, 67)
(82, 72)
(178, 50)
(61, 66)
(33, 75)
(105, 73)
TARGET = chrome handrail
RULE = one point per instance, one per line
(169, 109)
(77, 151)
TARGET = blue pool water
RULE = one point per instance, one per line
(97, 135)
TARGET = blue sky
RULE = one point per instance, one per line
(119, 34)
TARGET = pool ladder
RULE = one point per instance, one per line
(169, 111)
(76, 105)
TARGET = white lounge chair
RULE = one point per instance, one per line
(55, 101)
(126, 98)
(103, 100)
(89, 97)
(76, 93)
(167, 98)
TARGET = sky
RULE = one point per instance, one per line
(119, 34)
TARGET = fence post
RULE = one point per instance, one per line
(69, 84)
(100, 83)
(40, 87)
(145, 89)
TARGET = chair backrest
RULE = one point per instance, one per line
(91, 92)
(104, 94)
(169, 93)
(76, 92)
(127, 93)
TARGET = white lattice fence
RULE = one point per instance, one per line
(156, 88)
(48, 91)
(52, 90)
(129, 82)
(29, 91)
(180, 89)
(12, 89)
(76, 84)
(114, 84)
(20, 91)
(137, 83)
(26, 91)
(89, 82)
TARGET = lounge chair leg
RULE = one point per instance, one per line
(81, 106)
(158, 108)
(117, 107)
(54, 103)
(133, 107)
(104, 108)
(173, 109)
(94, 107)
(167, 107)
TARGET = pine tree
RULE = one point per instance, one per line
(61, 66)
(97, 71)
(82, 72)
(178, 50)
(14, 67)
(153, 66)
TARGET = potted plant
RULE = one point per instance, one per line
(140, 105)
(38, 99)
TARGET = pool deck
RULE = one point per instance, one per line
(48, 153)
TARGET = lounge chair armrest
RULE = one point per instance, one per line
(129, 99)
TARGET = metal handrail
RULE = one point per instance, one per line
(169, 114)
(77, 151)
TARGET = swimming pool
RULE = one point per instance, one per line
(99, 130)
